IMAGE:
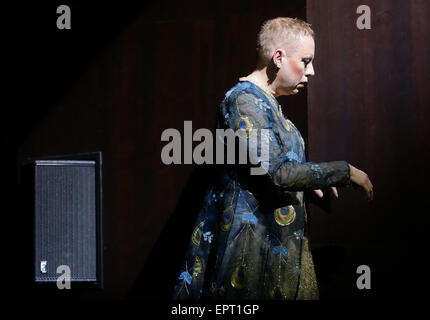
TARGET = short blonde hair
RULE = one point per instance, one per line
(280, 33)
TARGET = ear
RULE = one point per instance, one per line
(279, 56)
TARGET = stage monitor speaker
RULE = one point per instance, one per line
(67, 221)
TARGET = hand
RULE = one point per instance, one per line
(333, 190)
(361, 179)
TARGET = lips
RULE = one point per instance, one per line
(302, 84)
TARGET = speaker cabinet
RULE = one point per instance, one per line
(66, 195)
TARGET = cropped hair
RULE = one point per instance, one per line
(280, 32)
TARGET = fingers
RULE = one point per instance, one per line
(334, 192)
(319, 193)
(369, 191)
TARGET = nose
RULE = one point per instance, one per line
(310, 70)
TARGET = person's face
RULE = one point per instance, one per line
(295, 68)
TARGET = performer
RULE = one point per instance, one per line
(250, 238)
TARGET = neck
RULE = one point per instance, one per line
(262, 80)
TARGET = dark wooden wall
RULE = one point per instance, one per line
(368, 104)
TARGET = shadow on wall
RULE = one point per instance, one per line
(162, 267)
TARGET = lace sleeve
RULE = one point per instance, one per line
(248, 115)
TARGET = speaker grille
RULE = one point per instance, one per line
(65, 219)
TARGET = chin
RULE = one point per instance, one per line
(290, 93)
